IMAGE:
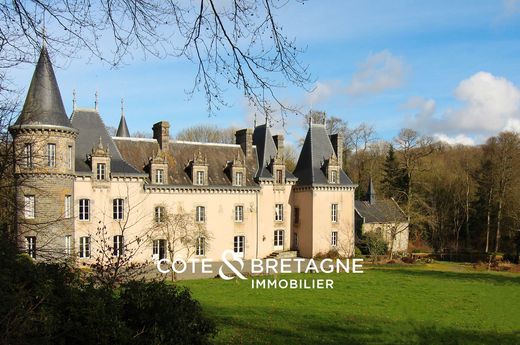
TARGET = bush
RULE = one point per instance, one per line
(357, 252)
(51, 304)
(373, 244)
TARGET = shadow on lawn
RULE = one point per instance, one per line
(356, 330)
(472, 276)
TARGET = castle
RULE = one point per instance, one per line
(80, 189)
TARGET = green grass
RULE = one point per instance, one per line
(431, 304)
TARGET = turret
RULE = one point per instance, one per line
(44, 142)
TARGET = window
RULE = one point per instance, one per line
(279, 176)
(159, 176)
(69, 156)
(118, 208)
(295, 239)
(334, 213)
(28, 154)
(278, 239)
(159, 214)
(201, 246)
(238, 244)
(278, 212)
(68, 206)
(296, 215)
(51, 155)
(239, 178)
(84, 209)
(101, 171)
(68, 242)
(239, 213)
(200, 178)
(334, 239)
(84, 247)
(119, 244)
(29, 206)
(200, 214)
(333, 176)
(159, 249)
(30, 245)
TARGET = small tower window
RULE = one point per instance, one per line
(28, 153)
(29, 206)
(51, 155)
(68, 206)
(69, 156)
(30, 244)
(101, 171)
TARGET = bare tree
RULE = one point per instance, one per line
(238, 43)
(208, 134)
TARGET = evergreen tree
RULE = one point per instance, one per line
(394, 180)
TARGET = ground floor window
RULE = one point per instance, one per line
(238, 245)
(119, 245)
(30, 246)
(159, 249)
(278, 239)
(84, 247)
(334, 239)
(201, 246)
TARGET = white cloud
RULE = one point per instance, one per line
(490, 104)
(454, 140)
(379, 72)
(323, 90)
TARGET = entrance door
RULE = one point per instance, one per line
(278, 239)
(238, 245)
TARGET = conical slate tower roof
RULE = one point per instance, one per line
(266, 149)
(371, 193)
(122, 130)
(43, 104)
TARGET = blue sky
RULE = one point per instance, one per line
(450, 69)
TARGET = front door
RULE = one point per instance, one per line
(278, 239)
(238, 245)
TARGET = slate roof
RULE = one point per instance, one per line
(122, 129)
(91, 128)
(316, 149)
(43, 104)
(382, 211)
(138, 151)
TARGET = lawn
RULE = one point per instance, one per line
(431, 304)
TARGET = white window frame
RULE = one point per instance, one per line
(334, 176)
(159, 213)
(30, 246)
(68, 244)
(156, 249)
(279, 176)
(118, 209)
(159, 176)
(278, 236)
(278, 212)
(239, 244)
(29, 206)
(200, 214)
(84, 247)
(28, 153)
(199, 178)
(84, 209)
(68, 206)
(334, 238)
(239, 213)
(51, 155)
(200, 249)
(119, 245)
(334, 212)
(101, 171)
(239, 178)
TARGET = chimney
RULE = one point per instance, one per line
(337, 143)
(278, 141)
(244, 138)
(161, 133)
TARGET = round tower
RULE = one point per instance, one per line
(44, 149)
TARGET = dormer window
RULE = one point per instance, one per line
(334, 176)
(239, 178)
(200, 178)
(101, 171)
(279, 176)
(159, 176)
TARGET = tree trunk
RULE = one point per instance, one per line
(467, 211)
(488, 225)
(499, 218)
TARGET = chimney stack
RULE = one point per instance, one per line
(244, 138)
(278, 141)
(337, 143)
(161, 133)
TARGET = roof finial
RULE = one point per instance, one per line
(73, 99)
(44, 37)
(96, 100)
(122, 107)
(254, 122)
